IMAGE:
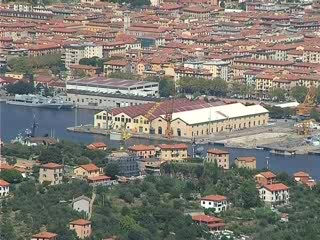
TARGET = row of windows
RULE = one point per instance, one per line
(222, 128)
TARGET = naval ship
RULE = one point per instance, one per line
(31, 100)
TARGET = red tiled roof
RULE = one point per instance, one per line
(4, 183)
(247, 159)
(206, 219)
(216, 225)
(5, 166)
(51, 166)
(141, 147)
(99, 178)
(86, 67)
(45, 235)
(117, 63)
(301, 174)
(276, 187)
(268, 174)
(179, 105)
(214, 198)
(217, 151)
(80, 222)
(263, 62)
(97, 145)
(173, 146)
(90, 167)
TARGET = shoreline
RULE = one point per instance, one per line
(267, 141)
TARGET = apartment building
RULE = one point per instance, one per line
(73, 53)
(274, 194)
(216, 202)
(51, 173)
(143, 151)
(219, 156)
(265, 178)
(173, 152)
(218, 68)
(82, 228)
(246, 162)
(116, 66)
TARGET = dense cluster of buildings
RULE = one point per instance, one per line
(265, 46)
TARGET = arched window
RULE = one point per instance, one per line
(179, 132)
(159, 130)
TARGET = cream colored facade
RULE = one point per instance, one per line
(82, 228)
(51, 173)
(218, 156)
(172, 153)
(181, 128)
(82, 172)
(246, 162)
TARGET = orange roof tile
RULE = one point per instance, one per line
(217, 151)
(99, 178)
(214, 198)
(276, 187)
(268, 174)
(206, 219)
(247, 159)
(173, 146)
(90, 167)
(51, 166)
(141, 147)
(45, 235)
(301, 174)
(80, 222)
(4, 183)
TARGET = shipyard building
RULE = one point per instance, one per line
(101, 92)
(189, 118)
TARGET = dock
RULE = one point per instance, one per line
(316, 152)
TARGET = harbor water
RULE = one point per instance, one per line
(15, 120)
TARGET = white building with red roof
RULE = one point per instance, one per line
(4, 188)
(274, 194)
(218, 203)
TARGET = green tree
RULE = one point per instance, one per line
(314, 114)
(278, 112)
(11, 176)
(20, 87)
(94, 61)
(166, 87)
(248, 194)
(51, 154)
(112, 170)
(299, 93)
(20, 65)
(278, 94)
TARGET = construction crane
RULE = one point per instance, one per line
(168, 118)
(152, 110)
(304, 109)
(125, 135)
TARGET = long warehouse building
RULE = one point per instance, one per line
(189, 119)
